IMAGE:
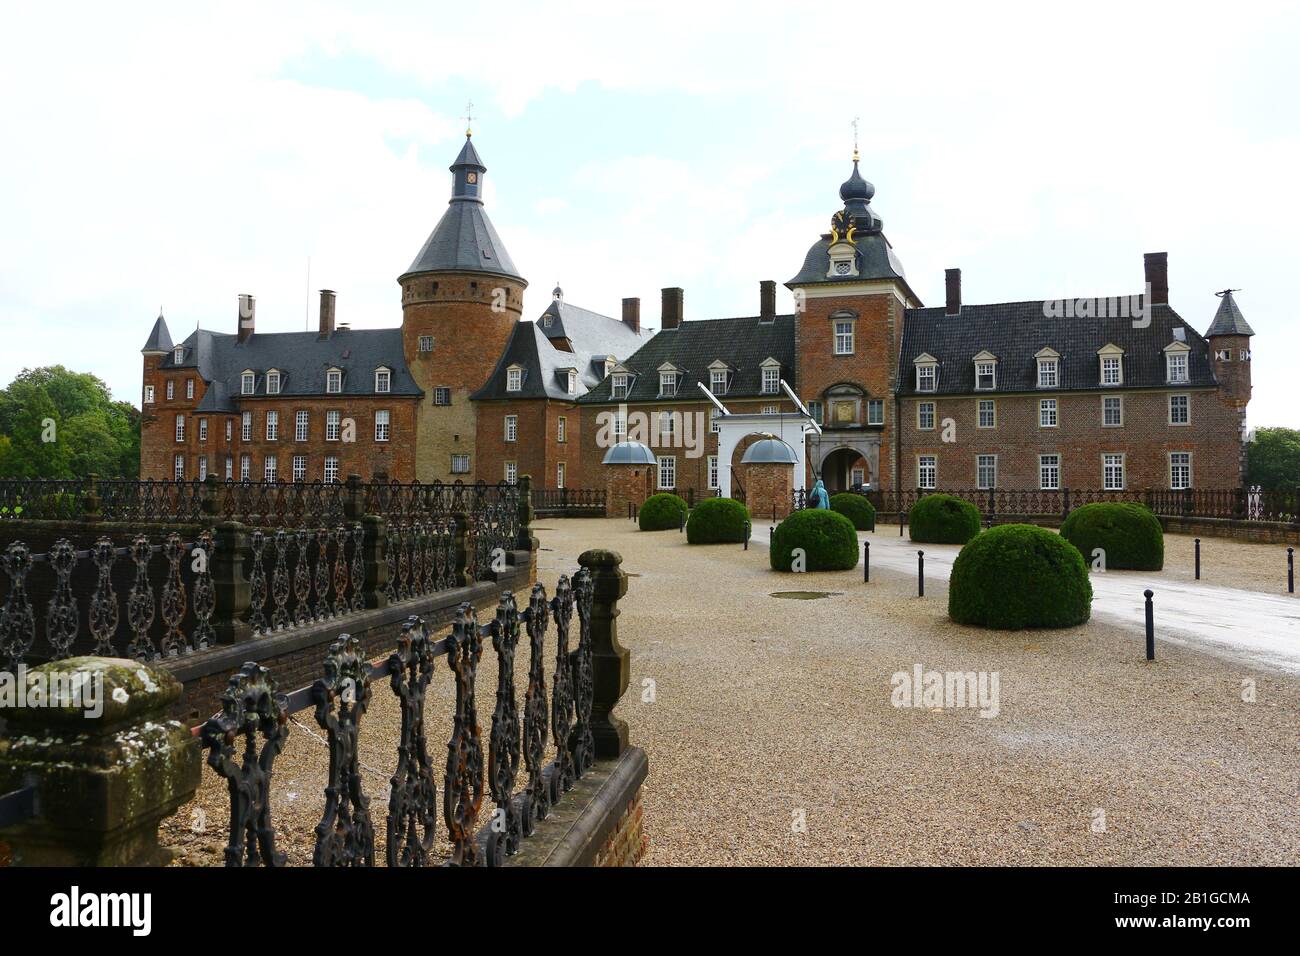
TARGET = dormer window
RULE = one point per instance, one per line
(1176, 368)
(771, 377)
(1111, 358)
(247, 381)
(986, 372)
(273, 382)
(178, 355)
(514, 379)
(618, 385)
(572, 379)
(547, 321)
(1049, 368)
(383, 380)
(334, 381)
(927, 372)
(667, 384)
(718, 381)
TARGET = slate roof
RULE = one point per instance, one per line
(742, 343)
(302, 359)
(1228, 320)
(160, 340)
(1015, 331)
(876, 260)
(532, 346)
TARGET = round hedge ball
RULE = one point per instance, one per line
(943, 519)
(856, 508)
(1019, 575)
(717, 521)
(1128, 534)
(661, 512)
(827, 538)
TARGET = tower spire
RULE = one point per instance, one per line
(469, 118)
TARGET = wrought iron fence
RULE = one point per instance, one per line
(561, 502)
(243, 741)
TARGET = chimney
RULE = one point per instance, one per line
(632, 314)
(671, 316)
(1157, 271)
(247, 316)
(952, 285)
(326, 313)
(767, 301)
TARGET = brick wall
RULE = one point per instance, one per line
(628, 842)
(626, 484)
(768, 489)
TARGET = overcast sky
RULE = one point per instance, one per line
(158, 156)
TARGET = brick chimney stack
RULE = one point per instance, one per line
(767, 301)
(671, 315)
(632, 314)
(326, 313)
(247, 317)
(1157, 272)
(952, 286)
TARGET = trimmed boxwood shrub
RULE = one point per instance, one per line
(1019, 575)
(827, 537)
(1129, 534)
(943, 519)
(856, 508)
(717, 521)
(661, 512)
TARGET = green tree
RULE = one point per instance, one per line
(1273, 459)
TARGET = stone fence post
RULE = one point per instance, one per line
(527, 541)
(461, 544)
(90, 504)
(230, 583)
(374, 554)
(611, 664)
(106, 762)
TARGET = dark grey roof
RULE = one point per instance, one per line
(876, 260)
(160, 340)
(742, 343)
(1228, 320)
(629, 453)
(302, 359)
(533, 347)
(1016, 331)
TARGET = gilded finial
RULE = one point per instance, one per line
(855, 138)
(469, 119)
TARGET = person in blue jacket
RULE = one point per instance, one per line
(817, 498)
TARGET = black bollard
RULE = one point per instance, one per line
(1290, 570)
(920, 574)
(866, 562)
(682, 526)
(1198, 559)
(900, 522)
(748, 529)
(1151, 625)
(774, 512)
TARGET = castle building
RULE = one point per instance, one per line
(1108, 394)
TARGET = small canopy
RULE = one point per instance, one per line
(769, 451)
(629, 453)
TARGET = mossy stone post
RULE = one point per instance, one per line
(526, 541)
(230, 583)
(352, 503)
(461, 544)
(208, 496)
(103, 782)
(611, 663)
(374, 555)
(90, 504)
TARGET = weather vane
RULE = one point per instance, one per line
(854, 124)
(469, 118)
(1226, 292)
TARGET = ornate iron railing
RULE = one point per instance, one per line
(562, 502)
(243, 741)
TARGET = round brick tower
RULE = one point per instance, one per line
(460, 299)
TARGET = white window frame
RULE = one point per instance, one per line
(1049, 373)
(983, 462)
(1113, 363)
(844, 333)
(148, 395)
(718, 381)
(1177, 368)
(1112, 464)
(573, 382)
(927, 377)
(559, 474)
(873, 404)
(1049, 408)
(456, 459)
(667, 384)
(178, 355)
(301, 425)
(1118, 402)
(1187, 409)
(298, 468)
(987, 368)
(618, 385)
(927, 469)
(383, 381)
(514, 379)
(333, 420)
(330, 470)
(715, 420)
(383, 425)
(273, 382)
(771, 379)
(561, 429)
(857, 476)
(246, 426)
(230, 429)
(920, 412)
(1175, 484)
(245, 467)
(992, 410)
(203, 429)
(511, 472)
(666, 472)
(272, 426)
(178, 467)
(189, 388)
(442, 392)
(247, 383)
(425, 343)
(815, 410)
(713, 472)
(171, 390)
(510, 426)
(180, 427)
(270, 468)
(667, 427)
(333, 381)
(620, 425)
(1049, 472)
(230, 467)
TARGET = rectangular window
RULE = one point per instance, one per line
(560, 424)
(927, 378)
(180, 427)
(573, 383)
(986, 375)
(927, 471)
(620, 425)
(230, 426)
(986, 471)
(1180, 470)
(925, 416)
(273, 383)
(442, 395)
(426, 343)
(1049, 472)
(272, 426)
(875, 411)
(331, 426)
(1047, 413)
(179, 467)
(715, 420)
(514, 379)
(559, 474)
(1176, 364)
(718, 381)
(667, 427)
(713, 471)
(1110, 370)
(269, 467)
(771, 380)
(230, 468)
(333, 381)
(1112, 411)
(512, 427)
(246, 427)
(178, 355)
(299, 467)
(667, 472)
(1049, 373)
(512, 472)
(383, 381)
(381, 425)
(858, 477)
(1112, 472)
(843, 336)
(189, 388)
(460, 464)
(814, 411)
(769, 409)
(245, 467)
(331, 472)
(618, 386)
(148, 394)
(203, 429)
(245, 384)
(667, 384)
(300, 420)
(1180, 409)
(171, 390)
(988, 413)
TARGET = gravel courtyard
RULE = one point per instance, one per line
(772, 737)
